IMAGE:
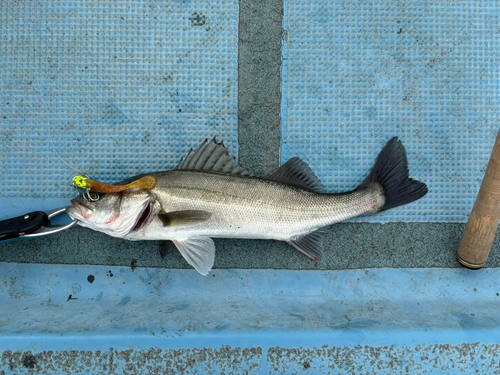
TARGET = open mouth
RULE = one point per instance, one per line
(143, 218)
(80, 209)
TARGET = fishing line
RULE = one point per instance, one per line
(72, 167)
(75, 89)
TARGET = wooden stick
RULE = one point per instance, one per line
(482, 225)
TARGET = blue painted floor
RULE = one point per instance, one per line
(268, 321)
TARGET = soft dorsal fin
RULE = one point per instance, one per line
(296, 172)
(212, 156)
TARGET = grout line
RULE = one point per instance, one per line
(259, 84)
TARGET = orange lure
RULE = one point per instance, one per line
(146, 182)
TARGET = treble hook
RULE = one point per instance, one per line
(88, 195)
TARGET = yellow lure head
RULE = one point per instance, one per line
(80, 182)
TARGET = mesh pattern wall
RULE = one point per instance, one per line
(112, 88)
(356, 73)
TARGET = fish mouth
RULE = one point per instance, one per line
(143, 218)
(78, 210)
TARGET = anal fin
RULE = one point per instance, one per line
(198, 252)
(310, 244)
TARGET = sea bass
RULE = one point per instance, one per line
(209, 195)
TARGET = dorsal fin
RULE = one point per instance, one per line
(296, 172)
(212, 156)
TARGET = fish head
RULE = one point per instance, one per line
(115, 214)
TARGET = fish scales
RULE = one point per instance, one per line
(246, 207)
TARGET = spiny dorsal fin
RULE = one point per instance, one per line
(184, 218)
(212, 156)
(311, 244)
(296, 172)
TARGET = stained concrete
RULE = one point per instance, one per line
(182, 361)
(439, 358)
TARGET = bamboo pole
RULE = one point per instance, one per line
(482, 225)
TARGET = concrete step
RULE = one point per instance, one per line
(114, 319)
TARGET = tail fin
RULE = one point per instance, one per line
(391, 171)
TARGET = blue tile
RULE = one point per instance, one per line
(356, 74)
(111, 88)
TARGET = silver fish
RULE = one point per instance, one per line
(209, 195)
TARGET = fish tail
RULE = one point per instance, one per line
(391, 171)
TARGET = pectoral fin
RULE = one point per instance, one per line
(198, 252)
(187, 218)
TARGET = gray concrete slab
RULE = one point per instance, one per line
(259, 85)
(347, 246)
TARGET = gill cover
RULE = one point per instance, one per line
(115, 214)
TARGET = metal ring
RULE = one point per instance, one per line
(47, 231)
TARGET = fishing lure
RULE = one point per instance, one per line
(93, 186)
